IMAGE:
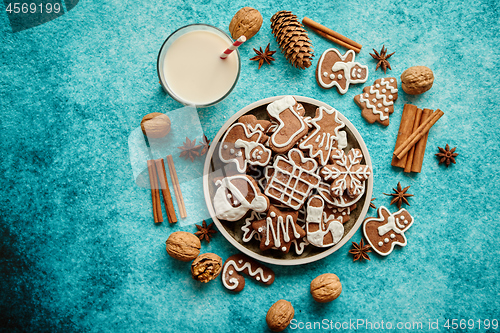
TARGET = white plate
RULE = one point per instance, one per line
(232, 230)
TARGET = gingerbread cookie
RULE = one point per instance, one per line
(240, 263)
(342, 214)
(320, 232)
(339, 70)
(346, 173)
(236, 195)
(387, 230)
(248, 232)
(377, 101)
(242, 147)
(325, 136)
(343, 201)
(253, 124)
(291, 127)
(293, 179)
(278, 230)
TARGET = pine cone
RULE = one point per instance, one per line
(292, 38)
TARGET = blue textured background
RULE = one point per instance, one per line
(79, 250)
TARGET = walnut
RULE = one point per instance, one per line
(417, 80)
(247, 21)
(206, 267)
(155, 125)
(326, 287)
(183, 246)
(279, 315)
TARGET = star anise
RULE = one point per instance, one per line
(447, 155)
(382, 59)
(190, 149)
(204, 231)
(400, 195)
(372, 205)
(360, 251)
(263, 56)
(205, 145)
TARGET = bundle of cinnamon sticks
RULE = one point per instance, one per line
(332, 35)
(412, 137)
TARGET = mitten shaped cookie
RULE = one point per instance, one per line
(387, 230)
(377, 101)
(320, 232)
(335, 69)
(236, 195)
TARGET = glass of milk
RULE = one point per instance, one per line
(190, 68)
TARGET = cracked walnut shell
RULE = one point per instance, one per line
(326, 287)
(206, 267)
(155, 125)
(279, 315)
(417, 80)
(247, 21)
(183, 246)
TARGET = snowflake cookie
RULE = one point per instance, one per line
(346, 173)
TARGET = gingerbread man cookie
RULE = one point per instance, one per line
(346, 173)
(278, 230)
(325, 136)
(377, 101)
(339, 70)
(387, 230)
(242, 147)
(236, 195)
(320, 232)
(291, 126)
(240, 263)
(293, 179)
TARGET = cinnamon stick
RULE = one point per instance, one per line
(405, 130)
(418, 134)
(165, 191)
(314, 25)
(409, 159)
(177, 187)
(418, 155)
(336, 41)
(155, 193)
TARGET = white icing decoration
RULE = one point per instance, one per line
(257, 278)
(275, 109)
(332, 77)
(233, 282)
(248, 231)
(281, 223)
(240, 261)
(384, 91)
(342, 66)
(223, 208)
(325, 74)
(230, 272)
(314, 215)
(392, 224)
(273, 214)
(324, 154)
(283, 249)
(380, 243)
(379, 97)
(358, 76)
(231, 151)
(285, 190)
(241, 167)
(386, 240)
(229, 196)
(339, 76)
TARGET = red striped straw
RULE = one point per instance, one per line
(233, 47)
